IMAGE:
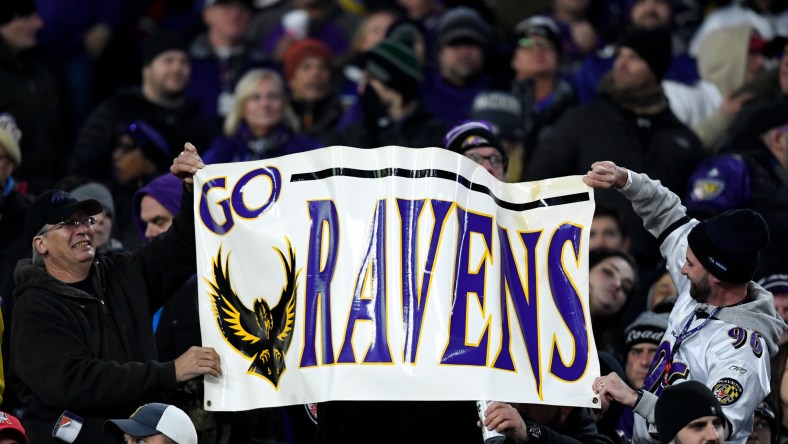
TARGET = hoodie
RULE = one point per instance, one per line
(166, 189)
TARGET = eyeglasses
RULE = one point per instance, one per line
(495, 159)
(529, 42)
(71, 224)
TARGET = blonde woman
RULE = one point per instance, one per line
(261, 124)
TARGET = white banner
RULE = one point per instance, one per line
(392, 274)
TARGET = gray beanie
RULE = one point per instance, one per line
(648, 327)
(97, 191)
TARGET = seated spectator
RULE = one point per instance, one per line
(751, 174)
(103, 241)
(155, 423)
(612, 280)
(261, 124)
(11, 430)
(221, 55)
(309, 78)
(390, 111)
(777, 284)
(544, 95)
(608, 230)
(630, 122)
(88, 317)
(578, 36)
(765, 427)
(462, 39)
(160, 102)
(324, 20)
(544, 423)
(731, 60)
(142, 153)
(155, 205)
(372, 30)
(690, 412)
(503, 112)
(13, 205)
(641, 340)
(27, 92)
(476, 141)
(645, 14)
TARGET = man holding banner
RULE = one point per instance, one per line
(82, 347)
(723, 327)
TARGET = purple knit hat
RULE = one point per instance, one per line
(166, 189)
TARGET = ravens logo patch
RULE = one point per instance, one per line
(727, 391)
(707, 189)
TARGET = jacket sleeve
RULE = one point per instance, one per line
(169, 259)
(53, 361)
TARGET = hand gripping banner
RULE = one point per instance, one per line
(392, 274)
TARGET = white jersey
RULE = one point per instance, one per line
(730, 358)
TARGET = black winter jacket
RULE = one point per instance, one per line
(658, 145)
(95, 355)
(101, 132)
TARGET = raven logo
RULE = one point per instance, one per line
(262, 335)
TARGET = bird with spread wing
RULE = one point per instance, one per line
(261, 334)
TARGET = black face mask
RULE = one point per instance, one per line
(374, 111)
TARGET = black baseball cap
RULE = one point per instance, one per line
(55, 206)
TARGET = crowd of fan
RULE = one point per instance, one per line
(97, 97)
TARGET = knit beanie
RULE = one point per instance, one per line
(648, 328)
(652, 45)
(775, 284)
(681, 404)
(162, 42)
(152, 141)
(9, 138)
(14, 9)
(729, 244)
(96, 191)
(396, 65)
(463, 23)
(301, 49)
(503, 111)
(166, 189)
(472, 134)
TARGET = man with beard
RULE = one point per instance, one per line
(631, 124)
(161, 102)
(723, 327)
(462, 38)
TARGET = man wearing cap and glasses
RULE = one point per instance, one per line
(723, 327)
(81, 345)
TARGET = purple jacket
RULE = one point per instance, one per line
(65, 22)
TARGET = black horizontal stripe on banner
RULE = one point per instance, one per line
(441, 174)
